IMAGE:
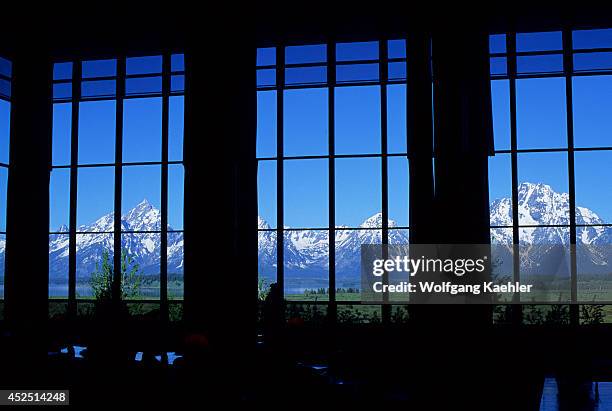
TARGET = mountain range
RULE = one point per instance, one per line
(144, 248)
(306, 251)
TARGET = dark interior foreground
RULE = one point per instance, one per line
(445, 357)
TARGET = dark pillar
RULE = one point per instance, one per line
(27, 253)
(220, 192)
(420, 139)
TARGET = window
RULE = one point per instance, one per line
(5, 128)
(549, 178)
(332, 164)
(117, 176)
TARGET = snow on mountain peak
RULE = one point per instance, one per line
(375, 221)
(262, 224)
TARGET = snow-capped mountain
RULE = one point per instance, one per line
(539, 204)
(144, 248)
(306, 252)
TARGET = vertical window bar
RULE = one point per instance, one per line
(280, 254)
(568, 70)
(511, 49)
(118, 176)
(163, 259)
(331, 106)
(74, 158)
(383, 73)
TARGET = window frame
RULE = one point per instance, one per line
(331, 83)
(166, 75)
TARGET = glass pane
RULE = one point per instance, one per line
(305, 75)
(62, 129)
(398, 191)
(176, 128)
(592, 39)
(141, 199)
(396, 49)
(592, 96)
(396, 118)
(543, 41)
(548, 264)
(500, 101)
(358, 192)
(99, 88)
(95, 199)
(501, 236)
(266, 193)
(94, 260)
(176, 196)
(266, 78)
(177, 83)
(307, 265)
(499, 66)
(5, 130)
(177, 62)
(306, 198)
(143, 86)
(594, 272)
(593, 61)
(542, 190)
(500, 189)
(357, 73)
(266, 56)
(399, 236)
(357, 51)
(3, 197)
(58, 265)
(266, 123)
(6, 67)
(176, 259)
(316, 53)
(142, 129)
(348, 260)
(540, 113)
(357, 120)
(5, 88)
(552, 63)
(497, 43)
(267, 259)
(593, 178)
(59, 200)
(305, 122)
(97, 132)
(397, 71)
(62, 71)
(99, 68)
(501, 254)
(143, 65)
(141, 253)
(62, 91)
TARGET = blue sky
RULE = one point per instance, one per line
(542, 123)
(358, 180)
(142, 142)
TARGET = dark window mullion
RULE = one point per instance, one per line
(74, 160)
(118, 176)
(280, 255)
(382, 68)
(568, 68)
(511, 47)
(331, 103)
(163, 259)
